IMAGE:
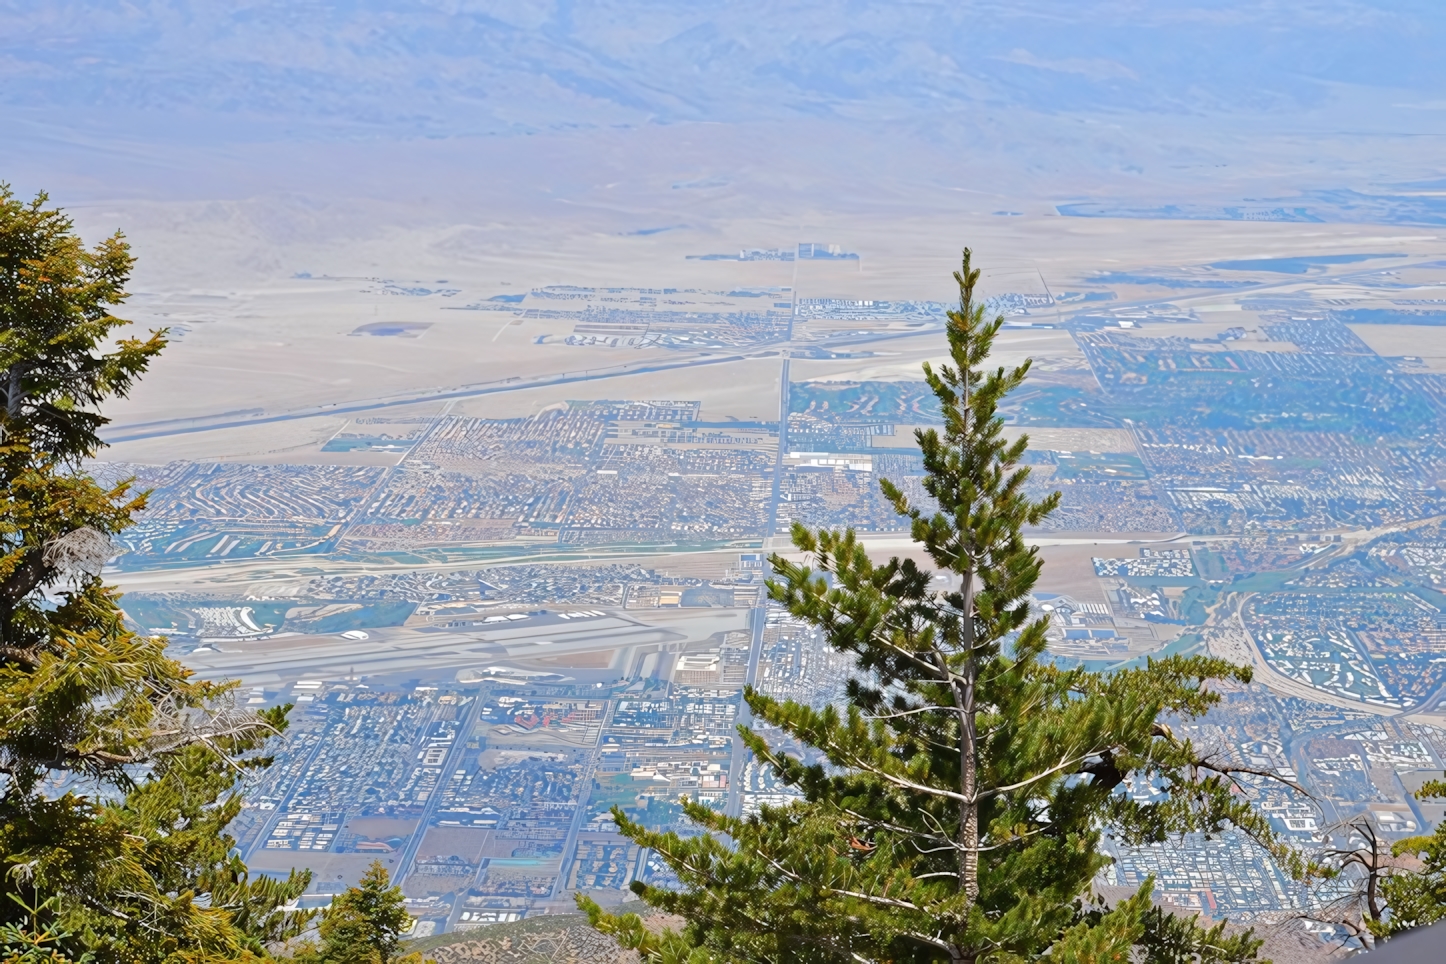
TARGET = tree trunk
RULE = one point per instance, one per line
(14, 391)
(22, 581)
(964, 691)
(1373, 879)
(968, 736)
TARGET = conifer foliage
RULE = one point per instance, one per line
(363, 925)
(1415, 896)
(55, 319)
(132, 861)
(954, 808)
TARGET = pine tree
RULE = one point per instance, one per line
(955, 808)
(1415, 897)
(55, 317)
(363, 925)
(132, 862)
(1352, 878)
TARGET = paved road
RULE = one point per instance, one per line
(1233, 641)
(386, 477)
(745, 716)
(584, 797)
(452, 763)
(259, 843)
(771, 528)
(207, 423)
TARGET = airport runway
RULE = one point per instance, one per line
(425, 651)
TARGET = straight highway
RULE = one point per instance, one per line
(450, 764)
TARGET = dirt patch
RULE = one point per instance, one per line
(380, 828)
(564, 938)
(1077, 439)
(465, 842)
(331, 873)
(1395, 341)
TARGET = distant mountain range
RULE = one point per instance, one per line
(449, 67)
(1329, 110)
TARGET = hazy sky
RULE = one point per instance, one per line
(1079, 96)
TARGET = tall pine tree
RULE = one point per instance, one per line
(954, 809)
(131, 863)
